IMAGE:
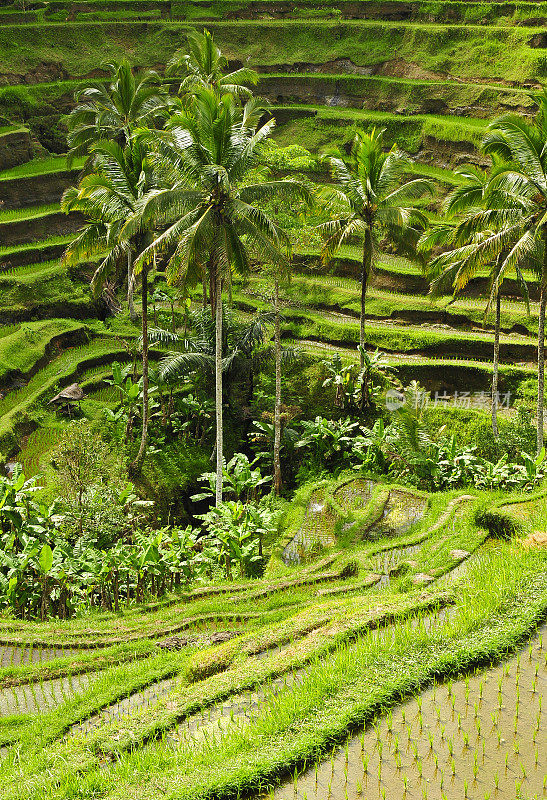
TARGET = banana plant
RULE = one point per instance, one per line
(240, 480)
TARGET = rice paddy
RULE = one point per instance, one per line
(209, 672)
(393, 649)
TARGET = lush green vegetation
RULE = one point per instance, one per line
(273, 494)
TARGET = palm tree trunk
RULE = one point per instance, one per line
(277, 407)
(496, 366)
(218, 383)
(136, 466)
(541, 363)
(365, 274)
(204, 289)
(130, 287)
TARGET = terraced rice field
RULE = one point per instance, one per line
(418, 72)
(346, 675)
(392, 649)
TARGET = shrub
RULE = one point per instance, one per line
(498, 524)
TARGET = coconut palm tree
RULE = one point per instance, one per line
(369, 201)
(469, 232)
(114, 110)
(107, 197)
(203, 66)
(212, 211)
(521, 222)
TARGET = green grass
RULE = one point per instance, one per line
(16, 408)
(325, 665)
(20, 214)
(463, 51)
(6, 130)
(27, 344)
(326, 126)
(36, 288)
(39, 166)
(401, 95)
(44, 243)
(345, 683)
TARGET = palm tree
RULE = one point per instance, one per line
(212, 208)
(521, 224)
(116, 109)
(469, 237)
(366, 203)
(203, 66)
(113, 112)
(107, 197)
(241, 341)
(277, 402)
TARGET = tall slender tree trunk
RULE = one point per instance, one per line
(496, 365)
(204, 289)
(218, 383)
(365, 275)
(277, 406)
(136, 466)
(541, 365)
(541, 344)
(130, 287)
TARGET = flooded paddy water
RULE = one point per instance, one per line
(316, 531)
(401, 511)
(14, 655)
(483, 736)
(43, 696)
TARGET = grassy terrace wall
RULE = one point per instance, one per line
(506, 54)
(430, 74)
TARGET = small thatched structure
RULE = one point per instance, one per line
(68, 397)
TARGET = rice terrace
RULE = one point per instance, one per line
(273, 467)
